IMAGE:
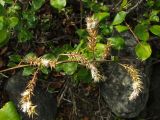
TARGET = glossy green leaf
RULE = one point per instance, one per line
(3, 36)
(143, 51)
(117, 42)
(155, 29)
(28, 71)
(119, 18)
(13, 21)
(121, 28)
(37, 4)
(58, 4)
(142, 32)
(9, 112)
(101, 16)
(70, 68)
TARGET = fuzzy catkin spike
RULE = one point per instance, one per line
(25, 103)
(82, 60)
(137, 84)
(35, 61)
(92, 25)
(107, 51)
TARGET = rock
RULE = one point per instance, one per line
(46, 104)
(118, 86)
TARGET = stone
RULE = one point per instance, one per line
(46, 103)
(118, 86)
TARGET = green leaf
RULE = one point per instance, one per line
(9, 1)
(2, 2)
(30, 55)
(70, 68)
(83, 75)
(100, 48)
(58, 4)
(1, 22)
(37, 4)
(105, 29)
(2, 10)
(155, 29)
(49, 56)
(82, 33)
(45, 70)
(143, 51)
(9, 112)
(124, 4)
(28, 71)
(15, 58)
(117, 42)
(24, 35)
(13, 21)
(101, 16)
(119, 18)
(121, 28)
(142, 32)
(154, 16)
(3, 36)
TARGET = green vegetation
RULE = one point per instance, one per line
(99, 30)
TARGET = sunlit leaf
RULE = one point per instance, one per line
(119, 18)
(143, 51)
(121, 28)
(9, 112)
(101, 16)
(58, 4)
(155, 29)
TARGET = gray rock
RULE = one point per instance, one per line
(46, 104)
(118, 85)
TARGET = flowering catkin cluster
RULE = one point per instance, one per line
(25, 103)
(137, 84)
(82, 60)
(35, 61)
(92, 25)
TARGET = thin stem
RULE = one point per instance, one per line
(135, 36)
(16, 67)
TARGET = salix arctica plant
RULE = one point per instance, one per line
(87, 51)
